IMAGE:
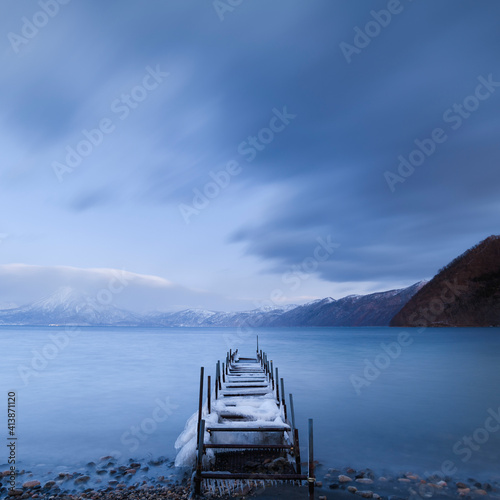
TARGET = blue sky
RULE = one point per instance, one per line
(211, 147)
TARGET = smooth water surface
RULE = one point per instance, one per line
(129, 392)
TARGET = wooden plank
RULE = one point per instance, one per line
(270, 477)
(248, 429)
(251, 446)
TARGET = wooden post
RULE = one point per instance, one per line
(219, 377)
(200, 402)
(292, 412)
(216, 380)
(283, 397)
(209, 394)
(201, 435)
(311, 478)
(277, 385)
(272, 374)
(296, 446)
(223, 373)
(257, 344)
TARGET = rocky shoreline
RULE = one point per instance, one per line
(159, 479)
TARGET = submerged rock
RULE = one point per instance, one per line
(344, 479)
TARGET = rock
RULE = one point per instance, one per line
(113, 482)
(135, 465)
(31, 484)
(344, 479)
(130, 471)
(352, 489)
(364, 480)
(376, 496)
(15, 493)
(412, 476)
(480, 492)
(463, 491)
(319, 484)
(461, 485)
(350, 471)
(404, 480)
(365, 494)
(334, 486)
(82, 479)
(107, 457)
(322, 498)
(487, 486)
(100, 472)
(49, 485)
(242, 492)
(441, 484)
(382, 479)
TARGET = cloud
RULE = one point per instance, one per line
(22, 284)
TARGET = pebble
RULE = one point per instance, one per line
(480, 492)
(364, 480)
(82, 479)
(404, 480)
(323, 497)
(344, 479)
(31, 484)
(461, 485)
(365, 494)
(463, 491)
(352, 489)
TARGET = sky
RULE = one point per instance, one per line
(230, 154)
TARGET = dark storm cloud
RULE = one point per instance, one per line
(351, 120)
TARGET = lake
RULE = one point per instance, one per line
(388, 399)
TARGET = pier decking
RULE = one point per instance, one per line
(246, 430)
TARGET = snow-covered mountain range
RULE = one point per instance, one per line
(71, 307)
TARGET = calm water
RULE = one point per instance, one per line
(129, 391)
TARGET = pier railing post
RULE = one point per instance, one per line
(223, 373)
(209, 394)
(283, 397)
(277, 386)
(272, 374)
(296, 447)
(292, 412)
(200, 402)
(201, 435)
(311, 479)
(216, 380)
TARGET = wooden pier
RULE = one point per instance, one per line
(246, 430)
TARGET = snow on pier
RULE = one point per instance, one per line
(244, 432)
